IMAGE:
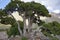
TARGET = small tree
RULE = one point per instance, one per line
(51, 29)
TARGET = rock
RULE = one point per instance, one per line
(15, 38)
(3, 36)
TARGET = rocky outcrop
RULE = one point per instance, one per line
(3, 36)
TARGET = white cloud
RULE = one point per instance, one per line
(43, 2)
(49, 8)
(37, 1)
(26, 0)
(56, 11)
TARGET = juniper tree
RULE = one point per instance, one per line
(30, 11)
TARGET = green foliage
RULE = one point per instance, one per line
(39, 9)
(10, 5)
(14, 29)
(40, 23)
(51, 28)
(53, 38)
(7, 20)
(21, 25)
(2, 13)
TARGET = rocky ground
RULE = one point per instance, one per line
(3, 35)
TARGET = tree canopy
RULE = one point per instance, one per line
(29, 9)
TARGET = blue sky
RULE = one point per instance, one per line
(3, 3)
(51, 5)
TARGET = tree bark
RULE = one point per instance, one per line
(19, 28)
(24, 30)
(24, 21)
(18, 25)
(30, 29)
(29, 25)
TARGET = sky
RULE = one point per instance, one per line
(51, 5)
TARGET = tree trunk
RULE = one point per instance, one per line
(18, 25)
(19, 28)
(30, 24)
(24, 21)
(24, 30)
(30, 29)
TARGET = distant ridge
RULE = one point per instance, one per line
(54, 17)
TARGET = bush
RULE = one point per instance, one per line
(13, 30)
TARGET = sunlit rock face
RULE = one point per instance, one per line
(54, 17)
(43, 18)
(17, 16)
